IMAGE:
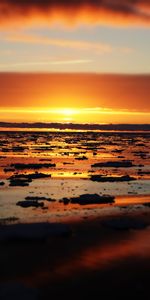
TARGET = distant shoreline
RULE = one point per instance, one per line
(76, 126)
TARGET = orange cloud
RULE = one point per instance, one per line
(117, 92)
(74, 12)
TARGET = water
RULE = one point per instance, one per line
(72, 154)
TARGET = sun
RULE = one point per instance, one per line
(68, 112)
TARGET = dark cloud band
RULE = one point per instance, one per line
(96, 11)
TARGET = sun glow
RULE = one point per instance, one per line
(72, 114)
(68, 112)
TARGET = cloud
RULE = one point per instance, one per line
(96, 47)
(42, 63)
(75, 90)
(75, 11)
(64, 43)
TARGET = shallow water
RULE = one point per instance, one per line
(73, 154)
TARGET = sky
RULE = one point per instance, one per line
(75, 61)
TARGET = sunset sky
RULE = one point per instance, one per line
(75, 61)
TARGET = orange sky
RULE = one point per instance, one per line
(54, 54)
(93, 97)
(75, 90)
